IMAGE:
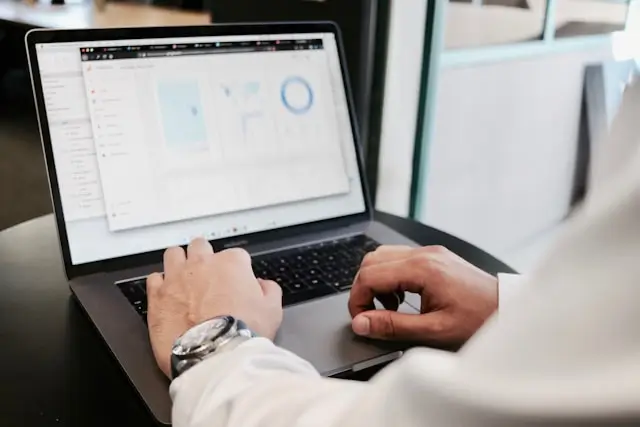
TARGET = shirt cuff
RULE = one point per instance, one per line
(508, 285)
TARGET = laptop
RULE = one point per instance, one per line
(243, 134)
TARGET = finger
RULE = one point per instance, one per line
(390, 325)
(154, 282)
(387, 253)
(174, 259)
(199, 248)
(393, 300)
(386, 278)
(271, 290)
(237, 256)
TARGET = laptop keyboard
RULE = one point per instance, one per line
(313, 271)
(304, 273)
(136, 293)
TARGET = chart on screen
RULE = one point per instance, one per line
(182, 115)
(186, 137)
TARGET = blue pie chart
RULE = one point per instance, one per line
(296, 95)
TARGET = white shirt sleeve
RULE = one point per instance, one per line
(508, 286)
(258, 384)
(563, 351)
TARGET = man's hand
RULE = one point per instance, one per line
(200, 285)
(457, 297)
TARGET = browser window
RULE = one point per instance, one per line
(156, 142)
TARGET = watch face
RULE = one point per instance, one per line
(199, 337)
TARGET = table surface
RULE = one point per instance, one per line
(56, 370)
(84, 15)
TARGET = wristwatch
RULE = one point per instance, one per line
(204, 339)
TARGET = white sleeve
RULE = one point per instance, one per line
(508, 286)
(258, 384)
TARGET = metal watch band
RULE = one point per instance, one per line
(235, 328)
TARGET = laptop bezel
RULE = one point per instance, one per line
(35, 37)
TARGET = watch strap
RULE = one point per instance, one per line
(237, 332)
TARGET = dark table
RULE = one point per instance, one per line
(56, 371)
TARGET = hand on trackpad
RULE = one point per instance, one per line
(451, 297)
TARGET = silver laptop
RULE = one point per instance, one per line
(243, 134)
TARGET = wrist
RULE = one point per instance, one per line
(202, 341)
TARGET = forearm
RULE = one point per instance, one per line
(508, 286)
(259, 384)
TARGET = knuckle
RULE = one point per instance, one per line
(154, 279)
(238, 254)
(363, 277)
(420, 260)
(196, 260)
(424, 262)
(369, 258)
(436, 249)
(157, 295)
(174, 250)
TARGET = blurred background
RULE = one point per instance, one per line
(478, 117)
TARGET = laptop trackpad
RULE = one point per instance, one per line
(320, 332)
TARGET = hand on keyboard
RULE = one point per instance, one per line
(303, 273)
(456, 296)
(200, 285)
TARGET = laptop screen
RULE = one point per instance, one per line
(158, 141)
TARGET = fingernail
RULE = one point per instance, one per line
(361, 325)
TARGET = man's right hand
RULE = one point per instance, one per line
(457, 297)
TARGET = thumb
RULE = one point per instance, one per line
(391, 325)
(271, 289)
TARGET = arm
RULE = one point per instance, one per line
(508, 286)
(258, 384)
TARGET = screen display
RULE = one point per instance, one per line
(156, 142)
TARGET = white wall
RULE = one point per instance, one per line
(466, 25)
(500, 166)
(502, 158)
(404, 69)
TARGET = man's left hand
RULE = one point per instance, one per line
(200, 285)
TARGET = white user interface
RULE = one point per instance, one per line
(156, 142)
